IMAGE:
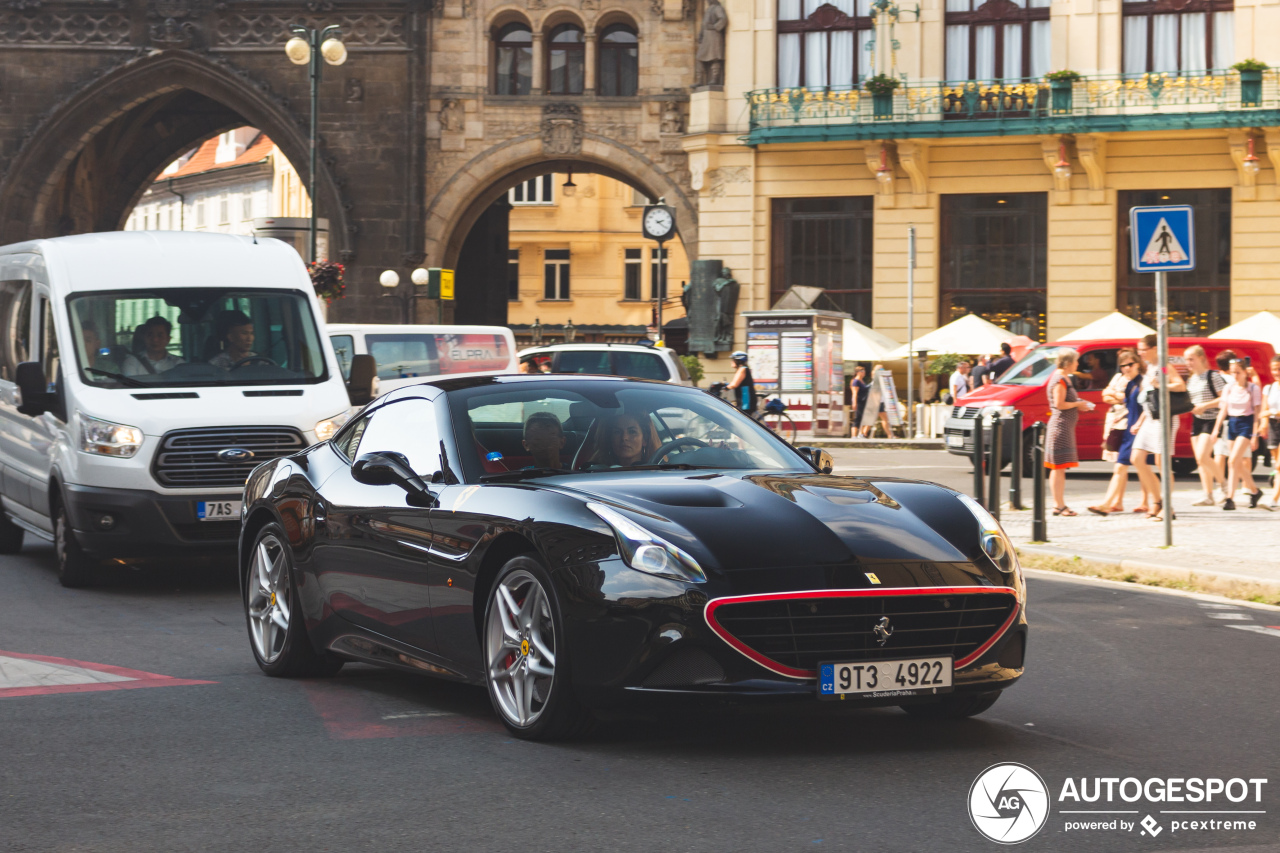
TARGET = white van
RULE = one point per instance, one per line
(144, 375)
(407, 355)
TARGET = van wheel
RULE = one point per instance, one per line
(10, 536)
(75, 568)
(1182, 467)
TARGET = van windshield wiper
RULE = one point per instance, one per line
(523, 474)
(119, 377)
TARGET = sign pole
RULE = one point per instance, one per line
(660, 289)
(1166, 422)
(911, 326)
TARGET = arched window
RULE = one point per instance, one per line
(822, 43)
(1160, 35)
(513, 60)
(997, 39)
(619, 60)
(566, 60)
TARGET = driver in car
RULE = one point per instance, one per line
(629, 440)
(544, 439)
(235, 337)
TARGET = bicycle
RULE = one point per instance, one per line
(772, 415)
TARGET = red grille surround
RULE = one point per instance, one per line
(709, 613)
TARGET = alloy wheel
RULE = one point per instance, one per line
(520, 646)
(269, 603)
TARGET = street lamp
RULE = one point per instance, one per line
(307, 47)
(535, 332)
(1251, 164)
(390, 281)
(570, 331)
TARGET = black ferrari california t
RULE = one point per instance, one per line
(584, 543)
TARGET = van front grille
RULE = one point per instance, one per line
(189, 458)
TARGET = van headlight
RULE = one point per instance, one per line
(648, 552)
(326, 429)
(995, 542)
(107, 439)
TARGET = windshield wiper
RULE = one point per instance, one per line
(119, 377)
(522, 474)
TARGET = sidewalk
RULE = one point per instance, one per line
(1206, 540)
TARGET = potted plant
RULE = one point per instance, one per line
(881, 88)
(1060, 85)
(693, 364)
(327, 279)
(1250, 71)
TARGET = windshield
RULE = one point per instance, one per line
(411, 354)
(1033, 369)
(195, 336)
(580, 426)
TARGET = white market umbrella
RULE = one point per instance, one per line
(970, 335)
(1114, 325)
(862, 343)
(1263, 326)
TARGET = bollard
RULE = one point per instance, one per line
(979, 453)
(1039, 530)
(994, 464)
(1015, 469)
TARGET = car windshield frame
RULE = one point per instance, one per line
(292, 325)
(757, 443)
(1040, 376)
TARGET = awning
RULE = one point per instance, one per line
(1263, 326)
(970, 335)
(862, 343)
(1114, 325)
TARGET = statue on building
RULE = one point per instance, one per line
(710, 53)
(452, 116)
(672, 119)
(727, 304)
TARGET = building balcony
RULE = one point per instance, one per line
(1100, 104)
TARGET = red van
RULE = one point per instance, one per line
(1023, 387)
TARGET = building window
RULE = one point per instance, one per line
(246, 207)
(555, 273)
(619, 60)
(513, 275)
(224, 209)
(200, 213)
(639, 198)
(540, 190)
(994, 260)
(513, 60)
(1199, 300)
(566, 60)
(1194, 36)
(823, 44)
(631, 276)
(825, 242)
(997, 39)
(658, 273)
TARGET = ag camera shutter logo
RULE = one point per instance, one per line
(1008, 803)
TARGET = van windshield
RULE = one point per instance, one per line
(195, 336)
(1033, 369)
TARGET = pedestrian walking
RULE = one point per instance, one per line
(1122, 393)
(1271, 415)
(1148, 430)
(859, 389)
(1205, 387)
(980, 375)
(960, 381)
(1060, 439)
(1240, 407)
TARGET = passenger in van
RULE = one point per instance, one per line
(95, 358)
(235, 339)
(544, 439)
(155, 357)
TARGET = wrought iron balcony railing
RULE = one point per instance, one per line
(1025, 106)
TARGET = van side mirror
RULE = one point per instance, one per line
(364, 372)
(818, 458)
(387, 468)
(34, 387)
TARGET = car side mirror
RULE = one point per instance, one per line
(34, 387)
(388, 468)
(818, 458)
(364, 373)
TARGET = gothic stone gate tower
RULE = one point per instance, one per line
(100, 95)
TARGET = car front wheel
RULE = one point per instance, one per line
(527, 661)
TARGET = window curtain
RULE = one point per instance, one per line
(815, 60)
(864, 8)
(1135, 45)
(958, 6)
(788, 10)
(957, 51)
(1224, 39)
(788, 60)
(864, 54)
(984, 52)
(1195, 55)
(842, 57)
(1012, 52)
(811, 6)
(845, 6)
(1041, 47)
(1164, 43)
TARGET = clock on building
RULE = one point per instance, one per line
(659, 221)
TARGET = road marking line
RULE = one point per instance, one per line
(418, 715)
(40, 675)
(1238, 616)
(1209, 606)
(1273, 630)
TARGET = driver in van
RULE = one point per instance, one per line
(155, 358)
(235, 339)
(544, 439)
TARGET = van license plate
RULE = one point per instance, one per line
(218, 510)
(955, 441)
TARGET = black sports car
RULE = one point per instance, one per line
(580, 543)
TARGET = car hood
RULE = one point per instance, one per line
(822, 530)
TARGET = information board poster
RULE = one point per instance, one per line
(762, 358)
(797, 361)
(889, 396)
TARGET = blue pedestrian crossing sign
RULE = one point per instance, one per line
(1163, 238)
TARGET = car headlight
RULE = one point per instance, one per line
(107, 439)
(995, 542)
(326, 429)
(648, 552)
(1000, 411)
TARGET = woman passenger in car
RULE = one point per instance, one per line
(628, 440)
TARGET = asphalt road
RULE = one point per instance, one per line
(1120, 682)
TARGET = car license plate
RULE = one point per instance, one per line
(955, 441)
(907, 677)
(218, 510)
